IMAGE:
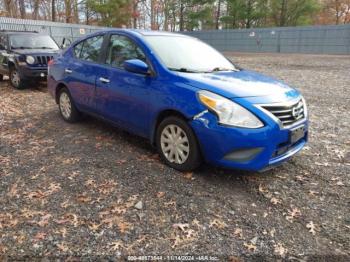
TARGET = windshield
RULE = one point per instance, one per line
(187, 54)
(32, 41)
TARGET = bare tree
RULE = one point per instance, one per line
(53, 10)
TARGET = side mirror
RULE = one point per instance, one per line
(65, 43)
(136, 66)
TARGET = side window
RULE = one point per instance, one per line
(91, 48)
(77, 49)
(120, 49)
(2, 42)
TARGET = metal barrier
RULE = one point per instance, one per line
(57, 30)
(334, 39)
(306, 39)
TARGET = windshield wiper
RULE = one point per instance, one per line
(21, 47)
(218, 69)
(185, 70)
(43, 47)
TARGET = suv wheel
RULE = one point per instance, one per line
(15, 79)
(67, 108)
(177, 144)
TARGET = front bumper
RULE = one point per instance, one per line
(33, 72)
(243, 148)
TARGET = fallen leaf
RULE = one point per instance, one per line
(196, 223)
(292, 214)
(263, 189)
(40, 236)
(90, 182)
(44, 221)
(124, 226)
(312, 227)
(94, 226)
(62, 247)
(182, 227)
(121, 161)
(83, 199)
(13, 191)
(275, 201)
(217, 223)
(250, 246)
(280, 249)
(160, 194)
(35, 195)
(238, 233)
(116, 245)
(188, 175)
(53, 188)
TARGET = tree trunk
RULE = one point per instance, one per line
(283, 13)
(182, 8)
(53, 10)
(8, 8)
(218, 14)
(36, 9)
(134, 10)
(22, 9)
(76, 12)
(68, 8)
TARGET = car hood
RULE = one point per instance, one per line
(242, 84)
(35, 51)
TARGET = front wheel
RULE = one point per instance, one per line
(177, 144)
(67, 108)
(16, 80)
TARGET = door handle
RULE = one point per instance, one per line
(68, 71)
(104, 80)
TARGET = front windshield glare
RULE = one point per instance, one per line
(187, 54)
(32, 42)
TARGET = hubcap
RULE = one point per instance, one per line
(15, 78)
(65, 105)
(174, 144)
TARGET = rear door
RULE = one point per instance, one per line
(81, 71)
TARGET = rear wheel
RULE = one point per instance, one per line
(177, 144)
(67, 108)
(15, 79)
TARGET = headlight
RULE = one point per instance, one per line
(229, 112)
(30, 60)
(305, 107)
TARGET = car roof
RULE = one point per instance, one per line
(141, 32)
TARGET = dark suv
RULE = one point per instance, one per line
(24, 56)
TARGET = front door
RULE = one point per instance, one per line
(3, 55)
(123, 96)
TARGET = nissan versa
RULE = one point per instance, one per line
(191, 102)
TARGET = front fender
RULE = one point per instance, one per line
(179, 99)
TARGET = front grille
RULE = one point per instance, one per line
(288, 113)
(43, 60)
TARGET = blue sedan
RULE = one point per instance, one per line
(191, 102)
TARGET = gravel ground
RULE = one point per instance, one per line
(92, 190)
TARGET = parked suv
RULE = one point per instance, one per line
(24, 56)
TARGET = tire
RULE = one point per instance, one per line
(1, 77)
(68, 110)
(173, 138)
(16, 80)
